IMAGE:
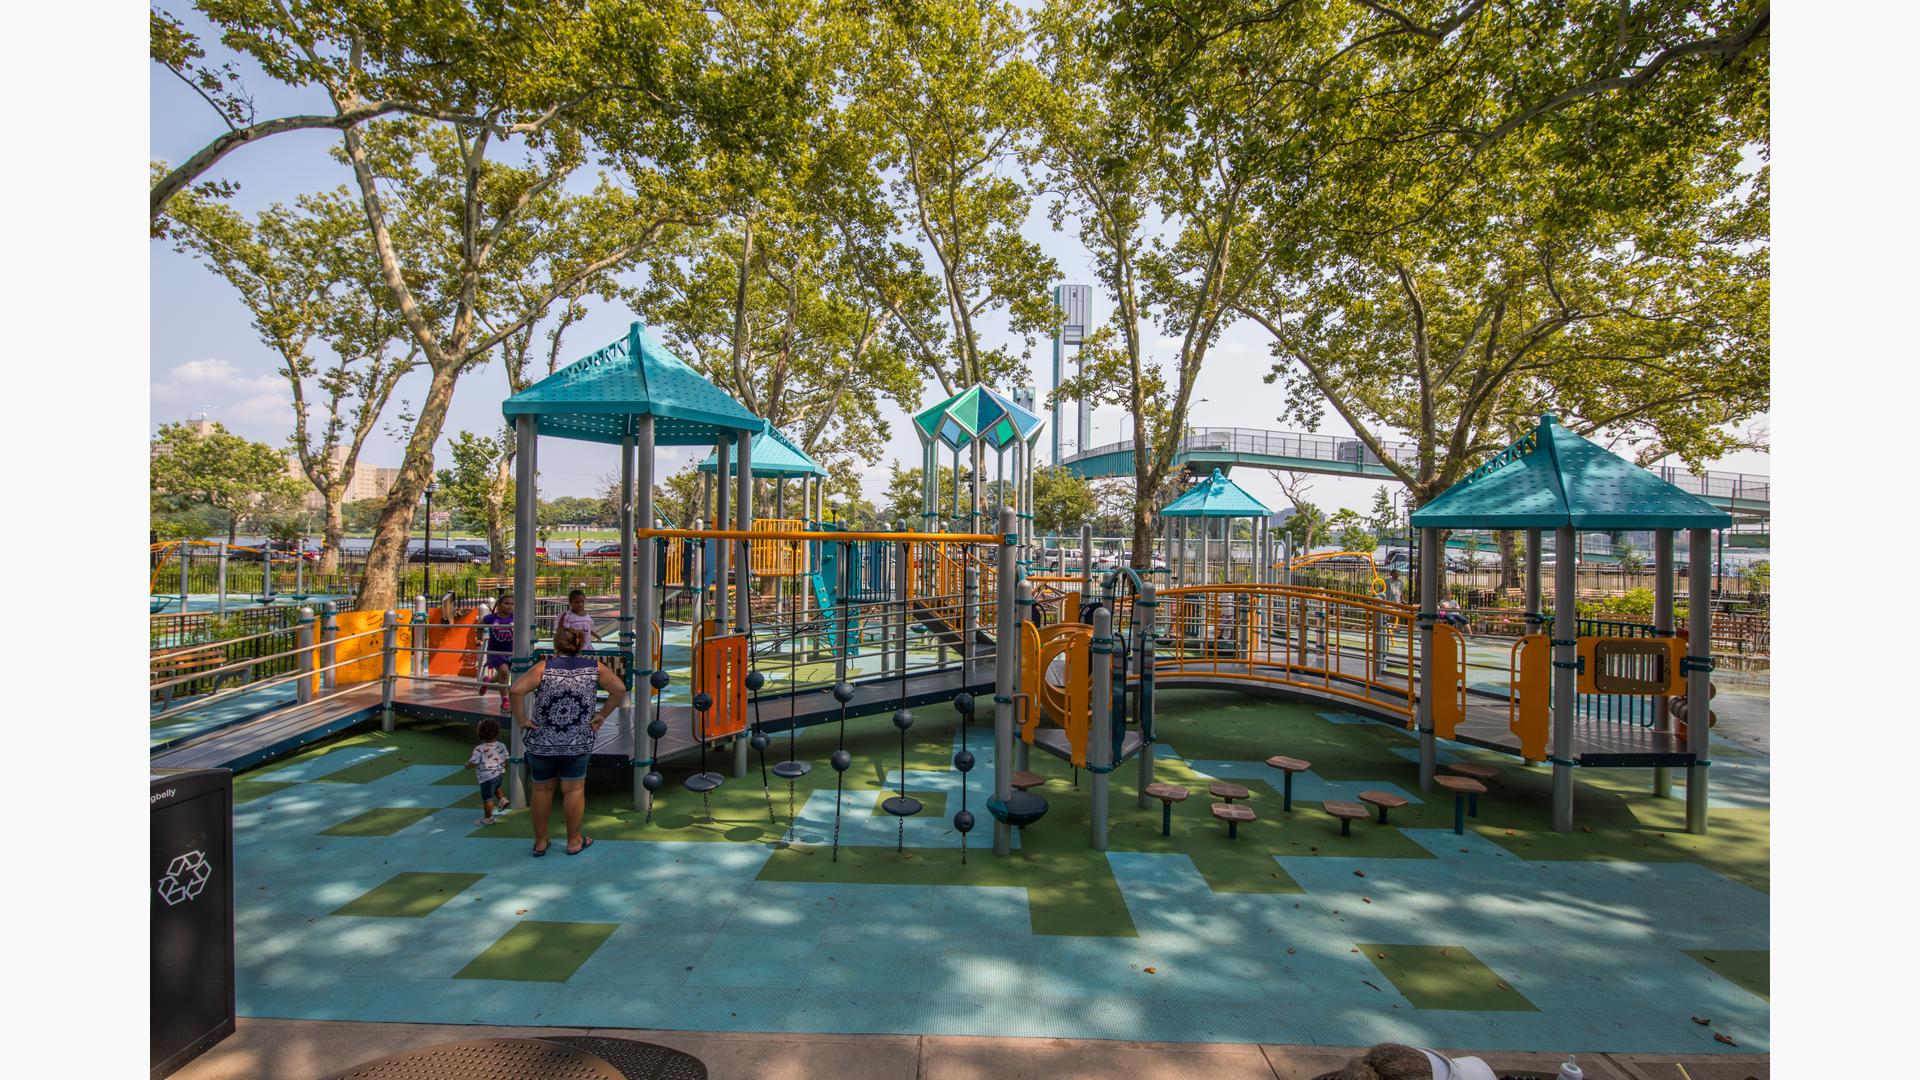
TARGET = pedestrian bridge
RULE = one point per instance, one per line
(1744, 495)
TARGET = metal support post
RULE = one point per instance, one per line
(640, 694)
(1429, 661)
(1005, 681)
(526, 529)
(1100, 726)
(1699, 675)
(220, 603)
(420, 641)
(389, 667)
(722, 519)
(303, 639)
(1662, 627)
(329, 629)
(1566, 631)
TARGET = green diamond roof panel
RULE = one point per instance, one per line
(773, 455)
(596, 398)
(977, 413)
(1551, 478)
(1215, 497)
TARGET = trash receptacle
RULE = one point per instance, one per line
(191, 895)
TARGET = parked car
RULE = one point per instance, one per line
(440, 554)
(602, 551)
(477, 550)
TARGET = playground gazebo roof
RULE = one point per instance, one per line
(1216, 497)
(596, 398)
(977, 413)
(1551, 478)
(772, 455)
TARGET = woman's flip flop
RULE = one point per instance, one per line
(585, 843)
(539, 851)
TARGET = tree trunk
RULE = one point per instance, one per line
(387, 557)
(1143, 534)
(332, 531)
(1509, 565)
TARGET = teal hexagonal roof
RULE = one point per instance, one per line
(977, 413)
(1551, 478)
(1215, 497)
(773, 455)
(597, 398)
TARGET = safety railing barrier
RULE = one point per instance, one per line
(1334, 643)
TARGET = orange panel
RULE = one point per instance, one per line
(723, 673)
(1449, 697)
(1530, 694)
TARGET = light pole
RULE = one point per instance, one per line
(426, 566)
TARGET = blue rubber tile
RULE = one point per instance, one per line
(874, 1011)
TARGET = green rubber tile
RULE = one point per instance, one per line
(1456, 980)
(417, 743)
(932, 803)
(1071, 894)
(539, 951)
(409, 895)
(245, 791)
(366, 772)
(1745, 968)
(380, 821)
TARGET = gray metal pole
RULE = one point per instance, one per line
(1145, 607)
(969, 605)
(1286, 560)
(1566, 631)
(303, 638)
(900, 589)
(1429, 660)
(623, 724)
(420, 653)
(743, 499)
(220, 604)
(1086, 563)
(1699, 673)
(640, 696)
(845, 605)
(526, 526)
(389, 667)
(266, 575)
(1100, 726)
(1022, 613)
(1006, 681)
(184, 550)
(1533, 581)
(300, 570)
(722, 519)
(1662, 627)
(1206, 556)
(329, 629)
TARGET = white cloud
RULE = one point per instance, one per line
(224, 392)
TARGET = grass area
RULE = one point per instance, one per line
(380, 821)
(245, 791)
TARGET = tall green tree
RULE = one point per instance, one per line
(475, 488)
(306, 274)
(218, 470)
(1062, 501)
(1535, 208)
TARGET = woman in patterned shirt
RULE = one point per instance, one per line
(560, 729)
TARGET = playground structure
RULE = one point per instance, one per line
(170, 562)
(898, 620)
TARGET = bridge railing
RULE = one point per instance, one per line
(1352, 451)
(1331, 642)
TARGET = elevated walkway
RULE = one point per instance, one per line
(1744, 495)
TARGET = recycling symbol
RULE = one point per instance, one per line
(186, 875)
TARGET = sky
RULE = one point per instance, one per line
(206, 358)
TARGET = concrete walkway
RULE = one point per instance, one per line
(308, 1049)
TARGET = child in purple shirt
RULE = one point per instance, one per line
(499, 659)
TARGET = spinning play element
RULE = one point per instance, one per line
(963, 761)
(703, 782)
(842, 693)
